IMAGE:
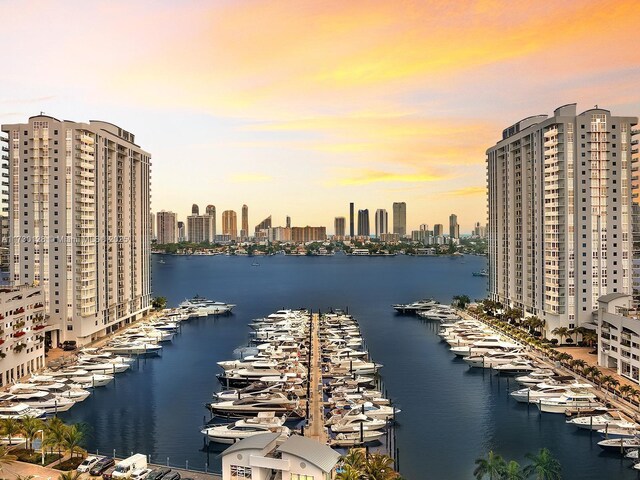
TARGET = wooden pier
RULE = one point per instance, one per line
(316, 429)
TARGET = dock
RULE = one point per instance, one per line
(316, 429)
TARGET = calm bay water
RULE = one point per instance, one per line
(450, 416)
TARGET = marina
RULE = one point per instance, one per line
(157, 405)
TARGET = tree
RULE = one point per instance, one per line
(55, 433)
(625, 391)
(577, 364)
(380, 467)
(543, 466)
(592, 373)
(29, 427)
(159, 303)
(564, 357)
(561, 332)
(492, 466)
(73, 438)
(70, 475)
(349, 473)
(10, 427)
(461, 301)
(590, 337)
(355, 459)
(607, 381)
(512, 471)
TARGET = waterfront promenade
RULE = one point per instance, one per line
(316, 429)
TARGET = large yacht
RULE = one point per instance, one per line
(209, 307)
(14, 410)
(39, 399)
(415, 307)
(264, 422)
(252, 406)
(568, 400)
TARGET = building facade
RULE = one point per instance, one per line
(182, 232)
(363, 223)
(382, 222)
(438, 230)
(244, 231)
(80, 199)
(263, 225)
(559, 201)
(454, 228)
(308, 234)
(400, 218)
(167, 227)
(23, 326)
(339, 226)
(230, 224)
(352, 231)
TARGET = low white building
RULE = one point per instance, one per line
(22, 332)
(619, 335)
(260, 458)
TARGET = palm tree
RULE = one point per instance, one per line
(577, 364)
(5, 457)
(29, 427)
(592, 373)
(493, 466)
(70, 475)
(512, 471)
(10, 427)
(564, 357)
(590, 337)
(55, 434)
(73, 438)
(380, 467)
(608, 381)
(543, 466)
(349, 473)
(561, 332)
(625, 391)
(354, 459)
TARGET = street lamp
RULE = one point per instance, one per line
(42, 445)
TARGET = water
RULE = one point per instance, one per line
(451, 415)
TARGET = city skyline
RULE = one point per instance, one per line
(396, 111)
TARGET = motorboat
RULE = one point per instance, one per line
(81, 377)
(210, 307)
(619, 445)
(535, 377)
(39, 399)
(569, 400)
(544, 390)
(515, 367)
(382, 412)
(355, 438)
(14, 410)
(251, 406)
(598, 422)
(610, 432)
(134, 348)
(484, 346)
(56, 388)
(102, 367)
(492, 360)
(354, 423)
(264, 422)
(415, 307)
(256, 388)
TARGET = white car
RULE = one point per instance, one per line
(87, 464)
(140, 474)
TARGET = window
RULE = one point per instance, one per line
(297, 476)
(238, 471)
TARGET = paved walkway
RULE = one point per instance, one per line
(316, 428)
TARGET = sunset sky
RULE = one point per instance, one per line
(297, 108)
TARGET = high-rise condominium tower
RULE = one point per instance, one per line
(244, 232)
(363, 223)
(339, 226)
(201, 228)
(559, 191)
(351, 225)
(167, 227)
(288, 222)
(400, 218)
(454, 228)
(211, 212)
(230, 224)
(79, 197)
(382, 222)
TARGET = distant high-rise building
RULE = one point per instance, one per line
(382, 222)
(152, 221)
(479, 230)
(438, 230)
(263, 225)
(200, 227)
(85, 206)
(560, 198)
(363, 223)
(454, 228)
(182, 234)
(230, 224)
(244, 232)
(400, 218)
(167, 227)
(308, 234)
(351, 225)
(211, 212)
(339, 226)
(288, 221)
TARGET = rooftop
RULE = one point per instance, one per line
(323, 457)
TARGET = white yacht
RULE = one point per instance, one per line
(352, 423)
(569, 400)
(598, 422)
(355, 438)
(210, 307)
(265, 422)
(80, 377)
(39, 399)
(19, 410)
(491, 360)
(134, 348)
(381, 412)
(102, 367)
(57, 388)
(251, 406)
(515, 367)
(535, 377)
(415, 307)
(484, 346)
(544, 390)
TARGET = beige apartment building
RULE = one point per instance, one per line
(79, 209)
(202, 228)
(560, 225)
(230, 224)
(167, 227)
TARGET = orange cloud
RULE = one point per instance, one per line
(365, 177)
(468, 191)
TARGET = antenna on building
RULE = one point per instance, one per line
(41, 113)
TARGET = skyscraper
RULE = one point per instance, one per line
(230, 224)
(288, 223)
(167, 227)
(244, 232)
(363, 223)
(263, 225)
(182, 234)
(351, 226)
(454, 228)
(211, 212)
(560, 200)
(339, 226)
(200, 228)
(85, 208)
(400, 218)
(152, 222)
(382, 222)
(438, 230)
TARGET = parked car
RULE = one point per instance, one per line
(88, 463)
(158, 473)
(101, 466)
(172, 475)
(68, 345)
(108, 473)
(140, 474)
